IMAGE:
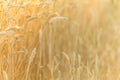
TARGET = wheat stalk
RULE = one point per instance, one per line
(30, 61)
(5, 75)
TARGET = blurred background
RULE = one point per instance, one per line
(59, 40)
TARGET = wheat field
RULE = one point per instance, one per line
(59, 40)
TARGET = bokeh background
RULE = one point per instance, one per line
(59, 40)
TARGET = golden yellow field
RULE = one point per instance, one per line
(59, 40)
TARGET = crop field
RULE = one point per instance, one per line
(59, 39)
